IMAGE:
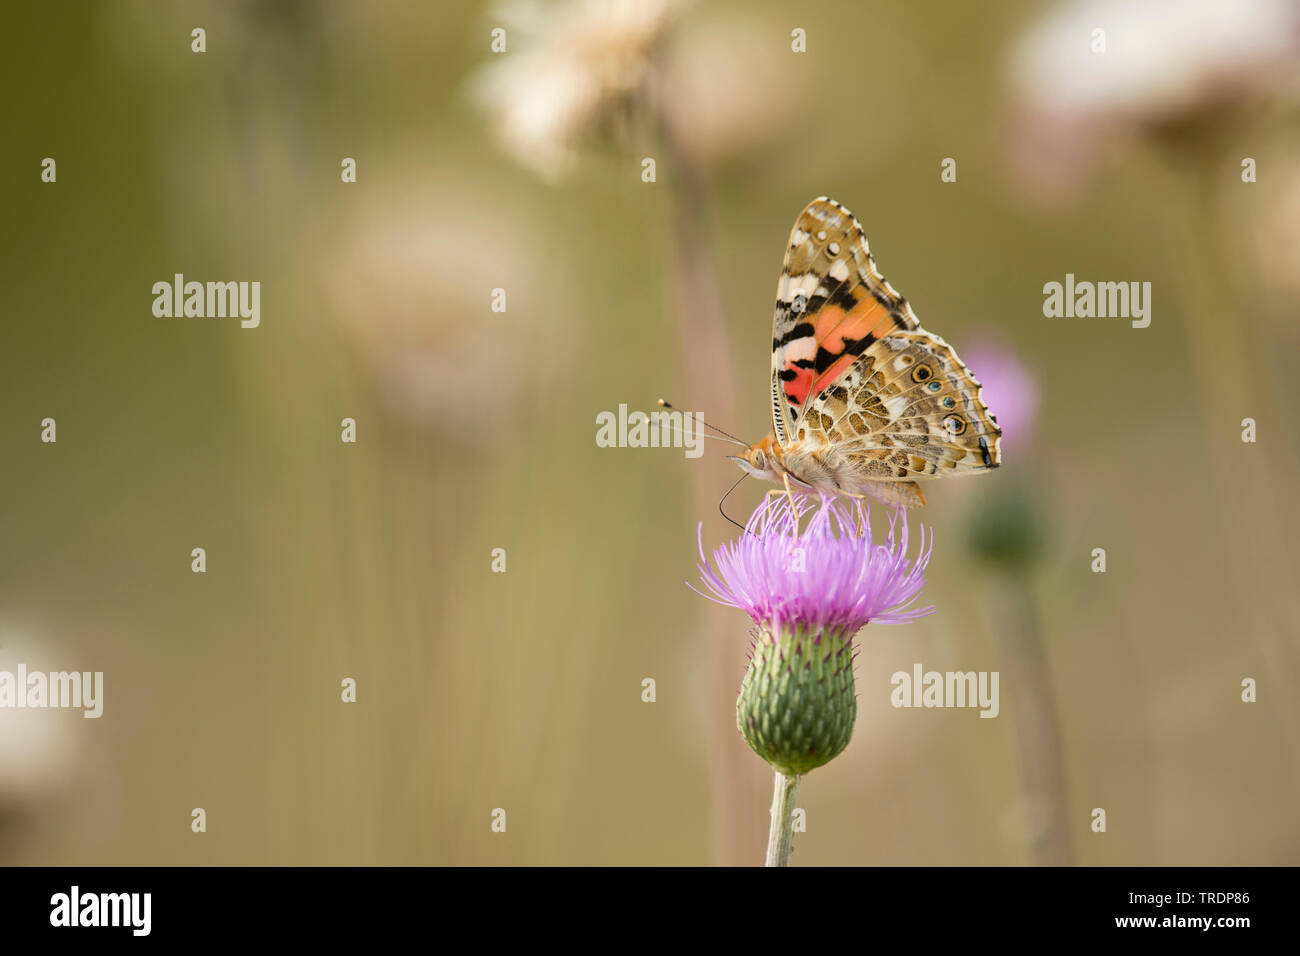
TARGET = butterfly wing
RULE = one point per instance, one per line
(906, 408)
(831, 305)
(857, 378)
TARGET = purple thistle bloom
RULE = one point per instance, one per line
(832, 575)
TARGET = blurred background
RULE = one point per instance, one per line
(522, 170)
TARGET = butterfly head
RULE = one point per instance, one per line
(760, 459)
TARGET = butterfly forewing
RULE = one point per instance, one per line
(831, 304)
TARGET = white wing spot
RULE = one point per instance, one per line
(833, 248)
(793, 285)
(821, 236)
(839, 270)
(804, 348)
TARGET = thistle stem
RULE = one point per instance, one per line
(780, 840)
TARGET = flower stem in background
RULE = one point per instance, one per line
(1008, 533)
(706, 355)
(1037, 727)
(780, 840)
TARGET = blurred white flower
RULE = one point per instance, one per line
(1164, 62)
(571, 77)
(725, 98)
(40, 748)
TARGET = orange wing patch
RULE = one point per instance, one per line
(820, 349)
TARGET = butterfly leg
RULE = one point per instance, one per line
(783, 491)
(789, 493)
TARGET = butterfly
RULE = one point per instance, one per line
(864, 400)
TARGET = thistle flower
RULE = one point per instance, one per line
(808, 592)
(832, 575)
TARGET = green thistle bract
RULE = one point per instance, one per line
(797, 705)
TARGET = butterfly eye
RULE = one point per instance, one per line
(759, 460)
(955, 424)
(922, 373)
(949, 402)
(935, 386)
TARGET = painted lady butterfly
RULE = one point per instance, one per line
(864, 401)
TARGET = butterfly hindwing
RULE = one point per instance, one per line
(907, 407)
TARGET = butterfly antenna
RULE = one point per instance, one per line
(724, 498)
(725, 437)
(662, 403)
